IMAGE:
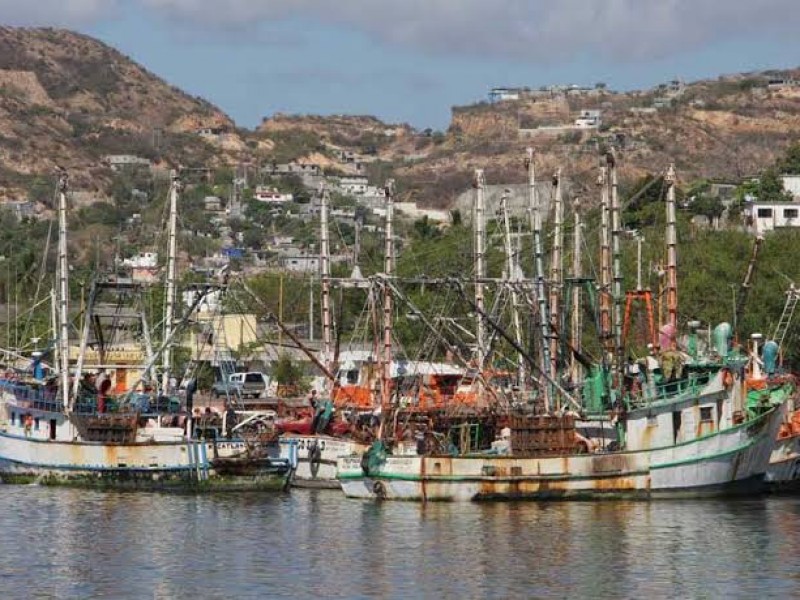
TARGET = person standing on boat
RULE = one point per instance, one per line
(230, 420)
(191, 388)
(313, 401)
(103, 385)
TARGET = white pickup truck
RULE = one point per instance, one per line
(251, 384)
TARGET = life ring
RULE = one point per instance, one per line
(314, 458)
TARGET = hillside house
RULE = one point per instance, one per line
(502, 94)
(210, 131)
(271, 195)
(118, 162)
(589, 119)
(763, 217)
(791, 183)
(354, 186)
(278, 169)
(782, 83)
(21, 209)
(212, 204)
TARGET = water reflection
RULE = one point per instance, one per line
(76, 544)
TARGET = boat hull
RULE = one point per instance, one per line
(186, 465)
(317, 458)
(732, 461)
(784, 465)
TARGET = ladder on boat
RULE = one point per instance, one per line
(792, 298)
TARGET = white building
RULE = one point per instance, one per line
(791, 183)
(271, 195)
(767, 216)
(354, 186)
(504, 94)
(589, 119)
(120, 161)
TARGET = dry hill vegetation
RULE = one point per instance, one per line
(68, 99)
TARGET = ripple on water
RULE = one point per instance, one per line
(79, 544)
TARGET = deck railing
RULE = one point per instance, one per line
(656, 394)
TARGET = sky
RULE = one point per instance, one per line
(412, 60)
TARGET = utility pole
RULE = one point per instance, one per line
(538, 254)
(479, 225)
(512, 280)
(63, 298)
(672, 253)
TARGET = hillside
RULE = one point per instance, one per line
(723, 129)
(68, 99)
(71, 100)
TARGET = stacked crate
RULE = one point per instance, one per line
(542, 435)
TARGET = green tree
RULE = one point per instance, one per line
(708, 206)
(790, 163)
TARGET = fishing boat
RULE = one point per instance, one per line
(701, 436)
(125, 432)
(688, 424)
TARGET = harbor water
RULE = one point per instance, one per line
(64, 543)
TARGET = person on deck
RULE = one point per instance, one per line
(103, 386)
(230, 421)
(191, 388)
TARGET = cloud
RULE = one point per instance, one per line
(54, 12)
(527, 30)
(550, 31)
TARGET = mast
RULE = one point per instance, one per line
(606, 334)
(538, 254)
(169, 313)
(672, 252)
(616, 233)
(576, 324)
(54, 327)
(556, 272)
(63, 288)
(387, 296)
(479, 225)
(512, 279)
(325, 275)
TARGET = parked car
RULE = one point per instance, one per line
(252, 384)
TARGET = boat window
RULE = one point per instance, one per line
(516, 471)
(13, 418)
(52, 429)
(489, 470)
(36, 424)
(706, 413)
(764, 213)
(254, 378)
(352, 377)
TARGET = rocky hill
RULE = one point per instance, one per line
(68, 99)
(71, 100)
(723, 129)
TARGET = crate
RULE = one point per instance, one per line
(539, 435)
